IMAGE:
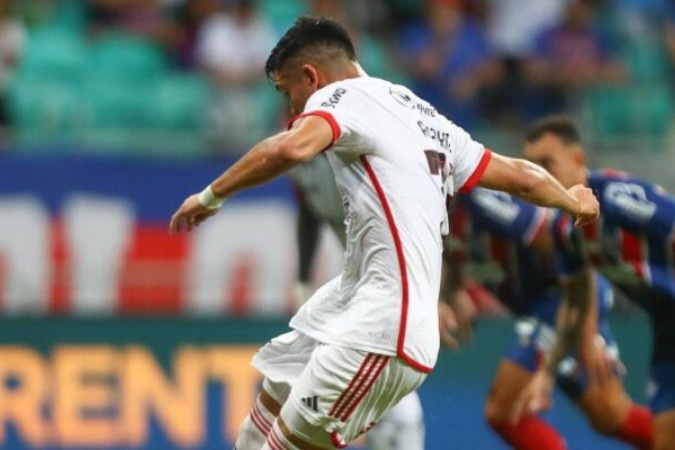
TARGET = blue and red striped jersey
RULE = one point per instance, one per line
(632, 243)
(494, 231)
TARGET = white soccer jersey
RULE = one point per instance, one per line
(317, 183)
(395, 159)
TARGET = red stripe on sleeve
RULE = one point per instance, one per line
(475, 176)
(337, 132)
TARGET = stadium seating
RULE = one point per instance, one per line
(125, 58)
(56, 52)
(44, 109)
(179, 102)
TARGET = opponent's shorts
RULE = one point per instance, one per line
(534, 338)
(330, 394)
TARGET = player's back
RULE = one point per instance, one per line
(496, 230)
(395, 159)
(632, 243)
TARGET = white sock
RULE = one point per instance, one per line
(401, 428)
(254, 429)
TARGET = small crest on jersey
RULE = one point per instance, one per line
(402, 95)
(405, 97)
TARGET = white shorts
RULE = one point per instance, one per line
(330, 394)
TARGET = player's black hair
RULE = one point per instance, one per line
(561, 126)
(305, 33)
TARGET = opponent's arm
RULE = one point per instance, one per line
(307, 239)
(577, 326)
(264, 162)
(534, 184)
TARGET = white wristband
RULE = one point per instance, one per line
(208, 199)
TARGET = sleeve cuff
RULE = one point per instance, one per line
(337, 132)
(477, 173)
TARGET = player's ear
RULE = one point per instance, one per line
(310, 74)
(579, 157)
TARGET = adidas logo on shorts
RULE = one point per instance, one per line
(312, 402)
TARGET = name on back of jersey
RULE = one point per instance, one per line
(442, 137)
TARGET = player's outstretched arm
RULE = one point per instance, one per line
(576, 329)
(264, 162)
(534, 184)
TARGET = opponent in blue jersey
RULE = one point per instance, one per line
(506, 245)
(632, 246)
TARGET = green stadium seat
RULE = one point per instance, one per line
(70, 14)
(118, 105)
(646, 62)
(42, 108)
(126, 58)
(282, 14)
(653, 109)
(53, 52)
(642, 110)
(180, 102)
(610, 110)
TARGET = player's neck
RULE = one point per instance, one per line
(348, 71)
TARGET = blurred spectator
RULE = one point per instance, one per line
(450, 60)
(232, 48)
(670, 34)
(568, 58)
(512, 35)
(512, 32)
(12, 41)
(191, 15)
(372, 54)
(144, 18)
(637, 18)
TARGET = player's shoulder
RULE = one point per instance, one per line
(602, 179)
(333, 94)
(606, 174)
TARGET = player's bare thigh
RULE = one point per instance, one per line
(507, 385)
(270, 403)
(664, 430)
(606, 406)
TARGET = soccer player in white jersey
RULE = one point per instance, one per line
(319, 203)
(369, 337)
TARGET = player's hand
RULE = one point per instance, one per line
(456, 319)
(588, 208)
(447, 325)
(465, 313)
(190, 214)
(535, 398)
(595, 359)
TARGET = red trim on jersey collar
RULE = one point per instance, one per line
(477, 173)
(325, 115)
(400, 345)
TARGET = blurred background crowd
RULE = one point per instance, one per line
(111, 111)
(132, 75)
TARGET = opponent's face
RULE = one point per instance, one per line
(297, 85)
(564, 161)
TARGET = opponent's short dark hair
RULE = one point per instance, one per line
(309, 32)
(561, 126)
